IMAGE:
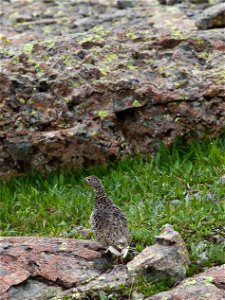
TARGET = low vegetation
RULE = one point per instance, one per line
(180, 186)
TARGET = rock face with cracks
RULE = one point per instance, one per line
(41, 268)
(118, 89)
(31, 267)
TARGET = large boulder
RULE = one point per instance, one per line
(107, 96)
(121, 87)
(31, 267)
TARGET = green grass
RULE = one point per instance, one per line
(145, 188)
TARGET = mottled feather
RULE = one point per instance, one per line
(108, 222)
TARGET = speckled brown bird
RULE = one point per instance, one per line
(108, 222)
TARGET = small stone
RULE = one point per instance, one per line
(169, 2)
(222, 179)
(84, 232)
(175, 202)
(212, 17)
(122, 4)
(167, 258)
(137, 296)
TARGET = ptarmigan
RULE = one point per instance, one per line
(108, 222)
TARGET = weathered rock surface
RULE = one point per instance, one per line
(113, 281)
(101, 97)
(167, 258)
(39, 268)
(209, 285)
(32, 267)
(120, 88)
(24, 21)
(212, 17)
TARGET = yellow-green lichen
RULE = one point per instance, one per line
(174, 68)
(75, 84)
(221, 74)
(28, 47)
(177, 120)
(67, 60)
(204, 55)
(22, 101)
(99, 29)
(178, 34)
(102, 114)
(33, 113)
(178, 84)
(109, 57)
(183, 98)
(76, 295)
(4, 38)
(46, 30)
(92, 38)
(208, 280)
(136, 103)
(190, 282)
(104, 69)
(63, 247)
(130, 66)
(131, 35)
(38, 68)
(198, 40)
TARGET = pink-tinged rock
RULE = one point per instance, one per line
(66, 262)
(112, 281)
(167, 258)
(102, 105)
(208, 286)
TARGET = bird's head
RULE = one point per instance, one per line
(94, 182)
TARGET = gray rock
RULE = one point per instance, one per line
(169, 2)
(121, 4)
(20, 151)
(167, 258)
(114, 280)
(212, 17)
(222, 179)
(32, 288)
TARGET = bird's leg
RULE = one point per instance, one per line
(119, 260)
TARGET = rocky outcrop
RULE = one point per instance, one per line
(31, 267)
(121, 88)
(209, 285)
(49, 268)
(167, 258)
(88, 102)
(39, 268)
